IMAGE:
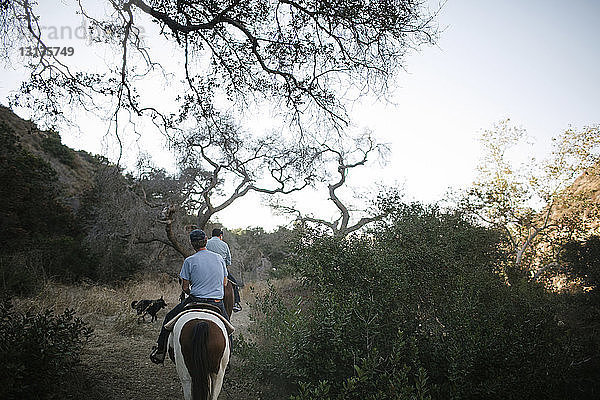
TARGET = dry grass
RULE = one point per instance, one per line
(101, 300)
(105, 306)
(115, 363)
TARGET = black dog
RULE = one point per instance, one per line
(148, 307)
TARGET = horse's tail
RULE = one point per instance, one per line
(199, 372)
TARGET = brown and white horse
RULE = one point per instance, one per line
(199, 346)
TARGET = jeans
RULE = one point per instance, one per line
(236, 289)
(164, 334)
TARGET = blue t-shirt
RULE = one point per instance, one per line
(206, 272)
(218, 246)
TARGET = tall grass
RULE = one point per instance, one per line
(103, 305)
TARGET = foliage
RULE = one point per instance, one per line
(30, 205)
(44, 239)
(521, 199)
(582, 260)
(254, 248)
(38, 352)
(41, 237)
(307, 60)
(51, 143)
(296, 64)
(415, 309)
(113, 218)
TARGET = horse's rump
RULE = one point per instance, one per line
(201, 350)
(202, 345)
(228, 298)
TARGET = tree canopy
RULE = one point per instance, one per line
(253, 95)
(305, 58)
(522, 199)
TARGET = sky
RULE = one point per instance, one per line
(534, 61)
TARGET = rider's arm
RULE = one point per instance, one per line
(228, 257)
(185, 286)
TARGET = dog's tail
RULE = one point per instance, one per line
(133, 304)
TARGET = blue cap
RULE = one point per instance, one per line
(197, 235)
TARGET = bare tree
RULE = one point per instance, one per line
(343, 161)
(217, 169)
(223, 165)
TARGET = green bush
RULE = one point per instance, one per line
(53, 145)
(582, 260)
(38, 352)
(28, 206)
(42, 238)
(413, 310)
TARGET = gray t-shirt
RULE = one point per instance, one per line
(206, 272)
(218, 246)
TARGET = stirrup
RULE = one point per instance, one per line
(156, 356)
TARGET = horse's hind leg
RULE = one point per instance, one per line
(217, 379)
(187, 389)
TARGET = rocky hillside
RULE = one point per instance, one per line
(580, 203)
(588, 184)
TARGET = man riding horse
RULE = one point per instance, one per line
(204, 277)
(217, 245)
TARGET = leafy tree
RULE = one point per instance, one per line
(582, 261)
(522, 200)
(295, 63)
(298, 56)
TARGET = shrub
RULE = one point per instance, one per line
(413, 310)
(582, 261)
(38, 352)
(41, 237)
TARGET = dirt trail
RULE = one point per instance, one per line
(118, 367)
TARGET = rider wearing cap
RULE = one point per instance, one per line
(204, 277)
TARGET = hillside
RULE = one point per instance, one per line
(580, 203)
(65, 214)
(74, 169)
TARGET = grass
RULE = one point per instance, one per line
(103, 305)
(115, 362)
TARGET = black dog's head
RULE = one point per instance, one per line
(160, 303)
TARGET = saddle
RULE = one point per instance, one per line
(204, 307)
